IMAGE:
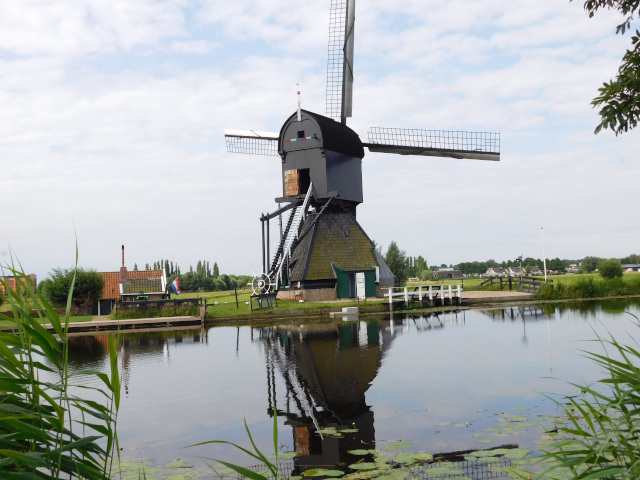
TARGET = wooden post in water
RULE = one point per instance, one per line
(235, 288)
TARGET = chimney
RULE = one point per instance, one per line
(123, 270)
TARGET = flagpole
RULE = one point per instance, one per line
(544, 258)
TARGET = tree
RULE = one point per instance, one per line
(421, 264)
(427, 275)
(87, 289)
(556, 264)
(216, 271)
(589, 264)
(610, 269)
(135, 267)
(397, 262)
(633, 258)
(619, 100)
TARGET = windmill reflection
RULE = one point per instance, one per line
(327, 370)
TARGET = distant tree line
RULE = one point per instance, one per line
(404, 267)
(204, 277)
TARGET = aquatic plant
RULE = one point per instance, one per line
(272, 467)
(46, 431)
(601, 440)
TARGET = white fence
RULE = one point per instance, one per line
(422, 292)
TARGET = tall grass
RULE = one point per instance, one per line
(46, 431)
(602, 439)
(589, 286)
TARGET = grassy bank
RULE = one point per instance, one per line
(577, 287)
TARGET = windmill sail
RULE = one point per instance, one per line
(435, 143)
(339, 96)
(251, 142)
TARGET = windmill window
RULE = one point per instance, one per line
(301, 134)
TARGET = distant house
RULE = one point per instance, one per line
(497, 272)
(630, 267)
(516, 272)
(535, 270)
(13, 282)
(124, 286)
(448, 273)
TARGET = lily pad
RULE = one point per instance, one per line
(398, 445)
(287, 455)
(322, 472)
(517, 453)
(364, 466)
(359, 452)
(423, 457)
(349, 430)
(404, 458)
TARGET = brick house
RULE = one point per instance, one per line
(13, 282)
(126, 285)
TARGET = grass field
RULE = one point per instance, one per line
(226, 300)
(227, 307)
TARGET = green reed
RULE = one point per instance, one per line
(601, 440)
(46, 431)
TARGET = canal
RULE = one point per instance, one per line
(444, 383)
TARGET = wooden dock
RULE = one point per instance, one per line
(139, 324)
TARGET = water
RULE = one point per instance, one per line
(435, 381)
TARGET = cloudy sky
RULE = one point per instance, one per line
(112, 116)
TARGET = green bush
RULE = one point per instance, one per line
(87, 288)
(46, 432)
(610, 269)
(587, 288)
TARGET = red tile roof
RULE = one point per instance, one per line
(112, 281)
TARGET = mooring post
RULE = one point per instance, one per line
(390, 299)
(420, 296)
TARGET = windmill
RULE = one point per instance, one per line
(322, 248)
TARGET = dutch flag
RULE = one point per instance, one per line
(175, 286)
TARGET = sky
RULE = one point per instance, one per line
(112, 116)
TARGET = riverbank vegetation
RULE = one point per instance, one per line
(575, 287)
(601, 437)
(50, 428)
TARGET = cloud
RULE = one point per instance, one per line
(113, 113)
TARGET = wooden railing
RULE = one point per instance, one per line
(423, 292)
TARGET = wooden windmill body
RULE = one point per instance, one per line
(323, 252)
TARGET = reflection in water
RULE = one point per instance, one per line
(327, 369)
(412, 372)
(92, 351)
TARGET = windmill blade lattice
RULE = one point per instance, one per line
(251, 142)
(436, 143)
(340, 60)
